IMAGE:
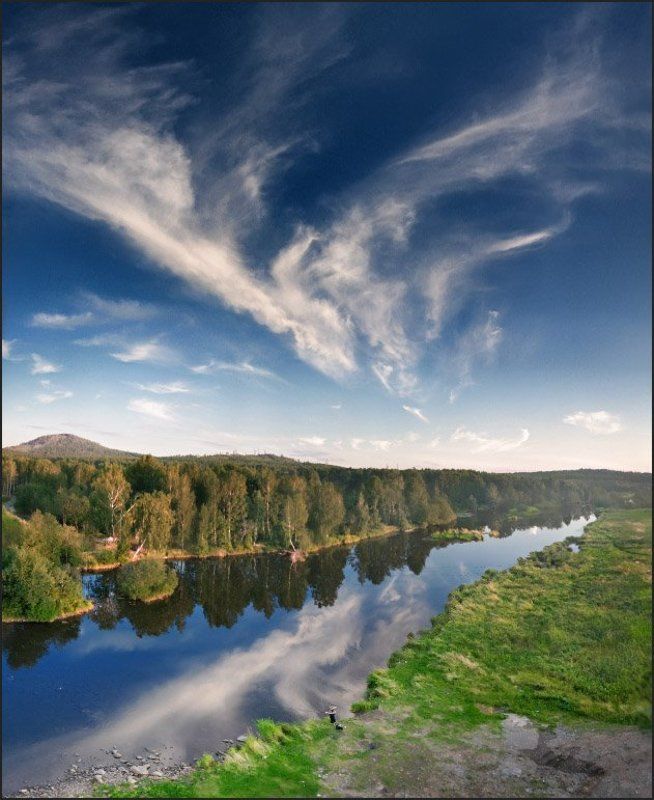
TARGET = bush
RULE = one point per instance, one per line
(36, 589)
(146, 580)
(107, 555)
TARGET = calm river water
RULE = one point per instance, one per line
(242, 638)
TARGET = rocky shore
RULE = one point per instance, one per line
(83, 780)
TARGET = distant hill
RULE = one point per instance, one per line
(65, 445)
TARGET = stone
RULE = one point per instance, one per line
(157, 773)
(140, 758)
(98, 778)
(140, 769)
(116, 754)
(241, 738)
(131, 780)
(24, 791)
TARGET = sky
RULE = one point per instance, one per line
(366, 234)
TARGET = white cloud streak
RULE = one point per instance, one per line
(477, 345)
(244, 367)
(62, 321)
(123, 309)
(313, 441)
(40, 366)
(484, 443)
(51, 397)
(145, 351)
(176, 387)
(597, 422)
(416, 412)
(151, 408)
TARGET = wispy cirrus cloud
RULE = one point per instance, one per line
(145, 351)
(151, 408)
(477, 345)
(599, 422)
(483, 443)
(127, 310)
(108, 150)
(416, 412)
(243, 367)
(53, 396)
(102, 311)
(176, 387)
(313, 441)
(41, 366)
(62, 321)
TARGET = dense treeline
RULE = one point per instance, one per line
(201, 505)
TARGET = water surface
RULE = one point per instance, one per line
(242, 638)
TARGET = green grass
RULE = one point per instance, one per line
(457, 535)
(11, 528)
(560, 637)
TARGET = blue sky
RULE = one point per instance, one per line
(405, 235)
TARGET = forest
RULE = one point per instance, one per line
(203, 505)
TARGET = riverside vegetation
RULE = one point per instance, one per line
(561, 637)
(106, 512)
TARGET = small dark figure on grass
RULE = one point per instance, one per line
(331, 712)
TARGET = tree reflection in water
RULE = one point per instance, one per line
(225, 587)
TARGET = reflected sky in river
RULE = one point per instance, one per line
(241, 638)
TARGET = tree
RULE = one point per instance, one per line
(153, 520)
(417, 498)
(294, 517)
(257, 514)
(72, 507)
(441, 512)
(33, 588)
(9, 474)
(361, 516)
(183, 506)
(110, 494)
(146, 474)
(232, 494)
(267, 484)
(34, 496)
(206, 528)
(328, 511)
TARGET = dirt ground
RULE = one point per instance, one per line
(519, 760)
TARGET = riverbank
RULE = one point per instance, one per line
(347, 540)
(532, 681)
(76, 612)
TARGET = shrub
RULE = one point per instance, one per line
(35, 589)
(146, 580)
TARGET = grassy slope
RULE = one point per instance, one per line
(561, 636)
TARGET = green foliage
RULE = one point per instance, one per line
(457, 535)
(35, 589)
(146, 474)
(146, 580)
(235, 502)
(105, 555)
(153, 521)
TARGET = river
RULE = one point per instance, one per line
(242, 638)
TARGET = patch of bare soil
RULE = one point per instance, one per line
(519, 760)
